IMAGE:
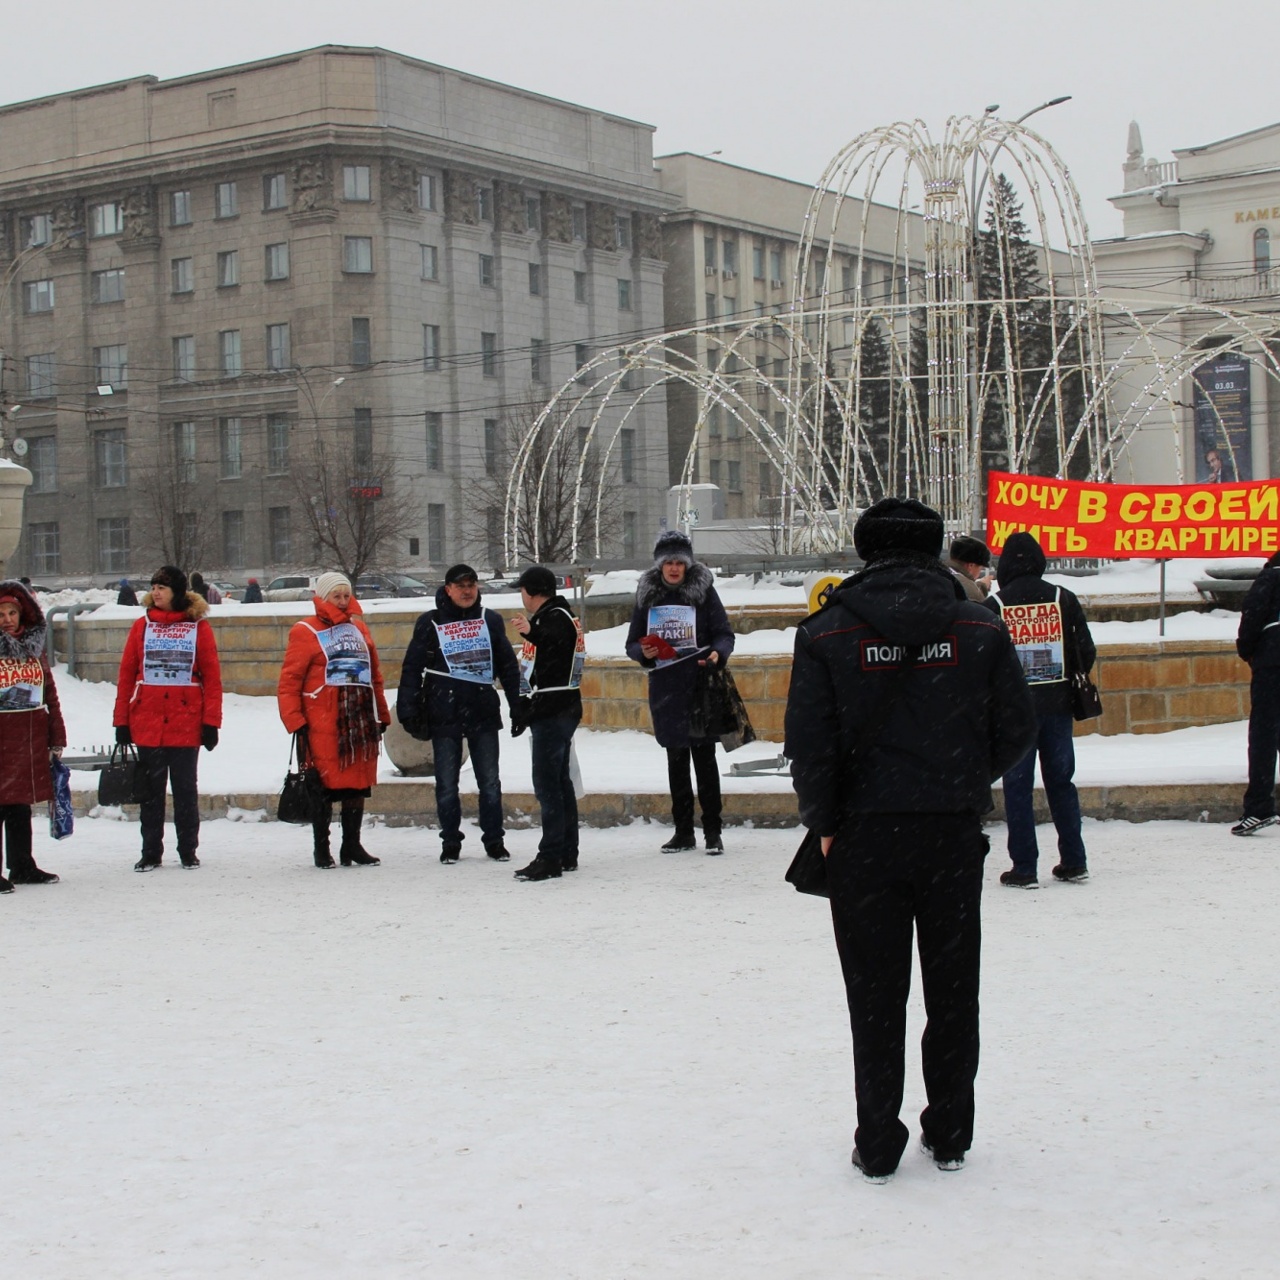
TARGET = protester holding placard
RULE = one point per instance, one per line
(447, 696)
(677, 626)
(1052, 637)
(169, 704)
(31, 730)
(330, 697)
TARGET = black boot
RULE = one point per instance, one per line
(352, 854)
(5, 886)
(541, 868)
(22, 866)
(320, 832)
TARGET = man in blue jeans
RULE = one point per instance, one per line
(551, 661)
(1052, 638)
(447, 695)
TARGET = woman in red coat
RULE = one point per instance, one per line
(169, 704)
(31, 730)
(331, 698)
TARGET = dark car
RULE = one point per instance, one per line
(385, 586)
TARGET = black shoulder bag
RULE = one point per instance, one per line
(1086, 701)
(123, 780)
(301, 794)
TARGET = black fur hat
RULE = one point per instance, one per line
(673, 545)
(897, 524)
(169, 575)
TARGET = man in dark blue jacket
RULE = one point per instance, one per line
(447, 695)
(1258, 643)
(906, 702)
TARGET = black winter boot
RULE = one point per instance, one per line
(352, 854)
(22, 866)
(320, 833)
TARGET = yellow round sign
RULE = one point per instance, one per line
(820, 586)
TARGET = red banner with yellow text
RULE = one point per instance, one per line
(1127, 521)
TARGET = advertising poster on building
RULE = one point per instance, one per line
(1224, 447)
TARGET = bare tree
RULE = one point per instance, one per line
(180, 529)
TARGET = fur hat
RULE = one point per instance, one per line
(169, 575)
(897, 524)
(537, 581)
(966, 550)
(673, 545)
(326, 582)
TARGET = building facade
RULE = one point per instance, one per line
(232, 298)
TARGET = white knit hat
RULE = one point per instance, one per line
(326, 582)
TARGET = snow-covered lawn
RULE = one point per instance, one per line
(641, 1070)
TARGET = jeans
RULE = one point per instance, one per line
(1264, 736)
(704, 766)
(484, 761)
(165, 765)
(550, 741)
(887, 872)
(1057, 765)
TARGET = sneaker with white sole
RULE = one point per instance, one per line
(1070, 875)
(948, 1164)
(1247, 826)
(877, 1178)
(1019, 880)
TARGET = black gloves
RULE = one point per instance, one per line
(124, 737)
(519, 717)
(208, 737)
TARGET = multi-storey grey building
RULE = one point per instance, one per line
(205, 277)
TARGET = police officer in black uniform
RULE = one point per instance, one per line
(906, 702)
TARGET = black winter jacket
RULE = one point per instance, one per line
(554, 638)
(1020, 581)
(1258, 640)
(454, 708)
(671, 689)
(960, 718)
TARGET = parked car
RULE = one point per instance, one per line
(295, 586)
(384, 586)
(228, 590)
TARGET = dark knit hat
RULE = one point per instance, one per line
(966, 550)
(897, 524)
(460, 573)
(169, 575)
(537, 581)
(673, 545)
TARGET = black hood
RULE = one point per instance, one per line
(1022, 557)
(450, 611)
(908, 598)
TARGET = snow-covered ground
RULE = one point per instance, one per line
(643, 1069)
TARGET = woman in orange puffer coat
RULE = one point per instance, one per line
(330, 696)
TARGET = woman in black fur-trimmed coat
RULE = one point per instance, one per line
(676, 601)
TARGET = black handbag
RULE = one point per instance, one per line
(734, 727)
(1086, 701)
(301, 795)
(808, 869)
(123, 780)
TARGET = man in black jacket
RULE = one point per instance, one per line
(1258, 643)
(906, 702)
(1052, 638)
(551, 663)
(447, 695)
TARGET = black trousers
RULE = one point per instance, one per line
(165, 766)
(16, 822)
(887, 872)
(1264, 740)
(704, 766)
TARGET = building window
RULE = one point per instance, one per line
(711, 306)
(228, 269)
(111, 471)
(233, 538)
(35, 229)
(278, 534)
(37, 296)
(435, 532)
(435, 442)
(486, 270)
(493, 535)
(624, 295)
(275, 194)
(622, 230)
(757, 262)
(630, 533)
(489, 355)
(775, 267)
(180, 208)
(357, 253)
(491, 446)
(535, 277)
(106, 219)
(361, 340)
(277, 444)
(713, 470)
(578, 216)
(1262, 249)
(579, 286)
(537, 368)
(184, 357)
(355, 182)
(362, 440)
(277, 258)
(44, 550)
(278, 347)
(184, 451)
(581, 355)
(709, 253)
(113, 545)
(431, 348)
(484, 203)
(229, 363)
(182, 276)
(533, 213)
(230, 457)
(427, 191)
(111, 366)
(42, 462)
(735, 476)
(729, 258)
(627, 454)
(226, 203)
(430, 262)
(41, 376)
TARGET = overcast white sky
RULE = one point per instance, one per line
(773, 86)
